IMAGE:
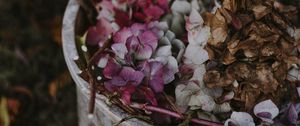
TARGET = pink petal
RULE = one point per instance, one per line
(169, 69)
(137, 28)
(129, 74)
(154, 12)
(156, 76)
(149, 95)
(99, 33)
(93, 37)
(164, 4)
(110, 87)
(143, 52)
(122, 35)
(126, 93)
(111, 69)
(149, 38)
(117, 81)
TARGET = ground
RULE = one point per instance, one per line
(35, 86)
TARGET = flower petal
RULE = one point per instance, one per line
(149, 95)
(149, 38)
(163, 51)
(181, 6)
(132, 76)
(199, 36)
(126, 93)
(111, 69)
(154, 12)
(122, 35)
(195, 54)
(264, 107)
(117, 81)
(203, 101)
(156, 76)
(99, 33)
(195, 17)
(170, 68)
(137, 28)
(291, 115)
(240, 119)
(143, 52)
(182, 96)
(120, 49)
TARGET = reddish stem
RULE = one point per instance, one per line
(174, 114)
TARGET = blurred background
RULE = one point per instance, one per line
(35, 85)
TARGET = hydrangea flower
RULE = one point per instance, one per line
(97, 35)
(138, 40)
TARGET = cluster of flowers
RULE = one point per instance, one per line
(145, 54)
(139, 60)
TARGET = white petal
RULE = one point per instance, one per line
(293, 74)
(241, 118)
(221, 108)
(171, 68)
(205, 102)
(177, 22)
(196, 54)
(266, 106)
(120, 49)
(164, 41)
(102, 62)
(199, 72)
(181, 6)
(199, 36)
(182, 96)
(195, 17)
(170, 35)
(163, 26)
(163, 51)
(195, 4)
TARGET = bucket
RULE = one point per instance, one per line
(103, 115)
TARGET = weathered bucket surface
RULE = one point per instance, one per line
(103, 115)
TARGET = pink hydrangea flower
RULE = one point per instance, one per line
(139, 41)
(97, 35)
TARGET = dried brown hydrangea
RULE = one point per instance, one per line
(253, 47)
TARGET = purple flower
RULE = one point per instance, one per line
(97, 35)
(138, 39)
(153, 71)
(127, 75)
